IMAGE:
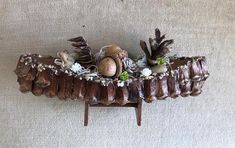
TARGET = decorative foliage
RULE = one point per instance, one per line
(161, 61)
(158, 47)
(124, 76)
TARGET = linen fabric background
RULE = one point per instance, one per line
(199, 27)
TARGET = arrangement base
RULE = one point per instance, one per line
(137, 106)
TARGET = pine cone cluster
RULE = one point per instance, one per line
(158, 47)
(84, 55)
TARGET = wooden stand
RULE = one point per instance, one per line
(137, 106)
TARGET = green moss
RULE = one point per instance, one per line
(161, 61)
(124, 76)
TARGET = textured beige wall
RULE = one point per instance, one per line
(199, 27)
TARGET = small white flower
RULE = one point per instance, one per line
(76, 68)
(120, 83)
(146, 72)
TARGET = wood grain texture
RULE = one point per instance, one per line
(199, 27)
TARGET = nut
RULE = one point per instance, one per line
(107, 67)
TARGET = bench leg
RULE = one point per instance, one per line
(138, 111)
(86, 113)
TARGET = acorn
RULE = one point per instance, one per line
(107, 67)
(111, 65)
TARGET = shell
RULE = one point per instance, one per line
(107, 67)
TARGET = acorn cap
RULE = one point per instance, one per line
(115, 50)
(119, 65)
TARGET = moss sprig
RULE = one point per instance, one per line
(124, 76)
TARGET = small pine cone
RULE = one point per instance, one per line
(84, 55)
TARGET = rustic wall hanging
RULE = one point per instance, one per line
(110, 78)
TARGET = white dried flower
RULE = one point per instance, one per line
(76, 68)
(146, 72)
(120, 83)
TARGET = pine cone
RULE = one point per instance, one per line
(84, 55)
(159, 48)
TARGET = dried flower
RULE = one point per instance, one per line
(146, 72)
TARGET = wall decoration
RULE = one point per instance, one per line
(110, 78)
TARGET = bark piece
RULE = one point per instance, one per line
(186, 89)
(204, 68)
(22, 69)
(65, 86)
(135, 90)
(78, 88)
(150, 90)
(162, 88)
(52, 89)
(195, 71)
(196, 88)
(61, 87)
(122, 95)
(42, 79)
(173, 85)
(107, 94)
(25, 85)
(37, 91)
(93, 92)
